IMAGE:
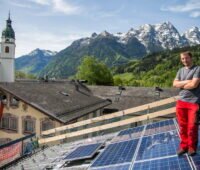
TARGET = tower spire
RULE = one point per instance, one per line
(9, 15)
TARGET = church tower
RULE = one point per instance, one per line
(7, 56)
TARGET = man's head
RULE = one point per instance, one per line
(186, 59)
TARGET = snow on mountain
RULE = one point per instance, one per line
(46, 53)
(192, 36)
(158, 36)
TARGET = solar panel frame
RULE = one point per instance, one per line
(129, 134)
(166, 163)
(102, 159)
(131, 130)
(70, 157)
(158, 145)
(125, 166)
(161, 126)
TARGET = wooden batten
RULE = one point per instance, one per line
(113, 115)
(110, 125)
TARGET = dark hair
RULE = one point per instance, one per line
(187, 53)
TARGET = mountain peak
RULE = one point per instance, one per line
(38, 51)
(194, 29)
(105, 34)
(94, 35)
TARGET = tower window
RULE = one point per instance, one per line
(7, 49)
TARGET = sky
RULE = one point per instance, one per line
(55, 24)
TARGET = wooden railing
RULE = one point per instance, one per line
(111, 116)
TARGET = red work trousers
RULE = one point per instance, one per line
(187, 119)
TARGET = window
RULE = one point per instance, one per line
(7, 49)
(9, 122)
(29, 125)
(47, 124)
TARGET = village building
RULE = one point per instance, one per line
(33, 106)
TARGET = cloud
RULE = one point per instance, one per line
(59, 6)
(41, 2)
(191, 6)
(195, 14)
(64, 7)
(49, 7)
(19, 4)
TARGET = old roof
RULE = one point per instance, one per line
(131, 96)
(63, 100)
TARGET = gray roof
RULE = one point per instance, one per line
(63, 100)
(131, 96)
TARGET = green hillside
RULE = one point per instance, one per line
(156, 69)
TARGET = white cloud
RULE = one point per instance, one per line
(41, 2)
(64, 7)
(50, 7)
(195, 14)
(61, 6)
(19, 4)
(191, 6)
(44, 40)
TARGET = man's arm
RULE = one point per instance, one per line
(180, 84)
(193, 84)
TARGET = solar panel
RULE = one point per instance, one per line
(82, 152)
(158, 145)
(117, 153)
(159, 127)
(196, 160)
(128, 134)
(115, 167)
(135, 131)
(171, 163)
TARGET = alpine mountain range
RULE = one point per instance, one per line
(112, 49)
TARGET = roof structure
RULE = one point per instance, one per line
(152, 146)
(62, 100)
(131, 96)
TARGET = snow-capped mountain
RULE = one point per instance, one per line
(192, 36)
(35, 61)
(156, 37)
(42, 52)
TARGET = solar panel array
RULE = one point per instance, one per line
(153, 147)
(148, 147)
(85, 151)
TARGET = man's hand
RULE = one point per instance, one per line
(180, 84)
(192, 84)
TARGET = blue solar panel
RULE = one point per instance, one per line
(116, 167)
(132, 131)
(85, 151)
(117, 153)
(158, 145)
(196, 160)
(158, 127)
(171, 163)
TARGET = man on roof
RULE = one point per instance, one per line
(188, 80)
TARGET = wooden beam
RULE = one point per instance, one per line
(109, 126)
(113, 115)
